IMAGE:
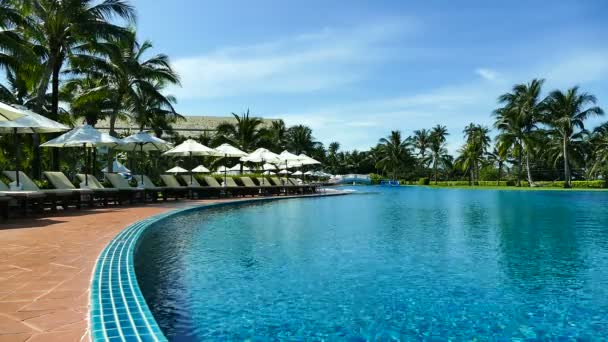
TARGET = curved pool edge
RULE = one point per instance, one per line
(117, 309)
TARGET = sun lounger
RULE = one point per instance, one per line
(4, 203)
(212, 183)
(261, 189)
(167, 191)
(54, 197)
(61, 182)
(107, 194)
(284, 185)
(202, 191)
(124, 187)
(302, 187)
(240, 190)
(23, 199)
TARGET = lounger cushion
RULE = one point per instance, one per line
(231, 183)
(186, 179)
(248, 182)
(59, 180)
(211, 181)
(170, 181)
(26, 183)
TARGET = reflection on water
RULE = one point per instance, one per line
(403, 263)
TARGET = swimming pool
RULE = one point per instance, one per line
(393, 263)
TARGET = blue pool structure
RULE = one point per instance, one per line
(383, 263)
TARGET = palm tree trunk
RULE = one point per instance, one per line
(55, 108)
(519, 167)
(566, 165)
(499, 173)
(530, 181)
(40, 94)
(435, 171)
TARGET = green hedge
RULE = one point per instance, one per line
(424, 181)
(591, 184)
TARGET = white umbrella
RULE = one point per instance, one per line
(262, 155)
(222, 169)
(9, 113)
(192, 148)
(141, 142)
(229, 151)
(117, 167)
(268, 167)
(269, 173)
(297, 173)
(85, 136)
(237, 167)
(309, 173)
(284, 172)
(306, 160)
(28, 123)
(177, 169)
(201, 169)
(289, 160)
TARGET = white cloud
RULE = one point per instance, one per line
(301, 63)
(487, 74)
(359, 124)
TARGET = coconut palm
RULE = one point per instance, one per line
(300, 139)
(472, 154)
(439, 153)
(277, 135)
(517, 122)
(153, 111)
(129, 75)
(498, 158)
(394, 154)
(246, 133)
(565, 115)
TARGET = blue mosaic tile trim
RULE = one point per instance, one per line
(118, 310)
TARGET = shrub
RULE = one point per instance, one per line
(375, 178)
(424, 181)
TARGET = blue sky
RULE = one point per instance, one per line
(355, 70)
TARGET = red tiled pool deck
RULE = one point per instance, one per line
(46, 265)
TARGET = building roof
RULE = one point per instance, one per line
(191, 126)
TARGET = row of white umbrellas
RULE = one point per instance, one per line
(19, 120)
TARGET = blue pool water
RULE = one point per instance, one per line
(395, 264)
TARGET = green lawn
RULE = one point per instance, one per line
(509, 188)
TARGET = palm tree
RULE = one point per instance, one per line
(518, 121)
(246, 133)
(58, 29)
(394, 153)
(438, 150)
(498, 157)
(599, 153)
(120, 61)
(300, 139)
(421, 140)
(88, 98)
(153, 111)
(277, 135)
(565, 115)
(477, 142)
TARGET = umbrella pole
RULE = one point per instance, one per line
(141, 150)
(225, 156)
(263, 175)
(86, 168)
(17, 150)
(190, 168)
